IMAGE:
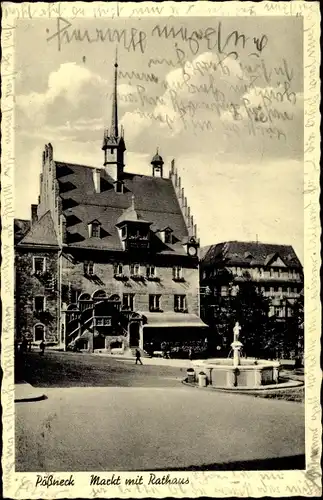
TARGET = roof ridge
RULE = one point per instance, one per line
(102, 168)
(251, 242)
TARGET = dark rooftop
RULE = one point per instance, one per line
(250, 253)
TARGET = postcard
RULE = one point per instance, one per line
(161, 249)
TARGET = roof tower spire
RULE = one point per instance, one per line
(114, 121)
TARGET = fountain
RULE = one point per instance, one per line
(236, 345)
(239, 373)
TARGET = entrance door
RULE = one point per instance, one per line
(134, 329)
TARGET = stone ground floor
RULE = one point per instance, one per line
(109, 414)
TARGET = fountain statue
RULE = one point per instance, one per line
(236, 345)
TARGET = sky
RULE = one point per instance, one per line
(222, 96)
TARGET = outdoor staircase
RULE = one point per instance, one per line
(88, 325)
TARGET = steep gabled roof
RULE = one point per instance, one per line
(239, 252)
(21, 227)
(155, 200)
(41, 233)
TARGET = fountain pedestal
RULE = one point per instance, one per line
(236, 348)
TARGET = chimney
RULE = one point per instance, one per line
(96, 179)
(34, 216)
(50, 151)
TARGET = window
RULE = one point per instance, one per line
(39, 332)
(39, 303)
(128, 301)
(180, 303)
(224, 291)
(124, 231)
(177, 273)
(280, 289)
(151, 272)
(39, 265)
(94, 229)
(135, 269)
(118, 269)
(168, 236)
(279, 312)
(88, 268)
(154, 303)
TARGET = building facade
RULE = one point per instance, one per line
(109, 258)
(275, 270)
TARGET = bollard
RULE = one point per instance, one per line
(202, 379)
(190, 375)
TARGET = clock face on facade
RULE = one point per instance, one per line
(192, 251)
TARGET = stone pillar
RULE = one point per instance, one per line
(236, 357)
(141, 336)
(106, 343)
(276, 374)
(91, 342)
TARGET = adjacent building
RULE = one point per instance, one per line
(109, 258)
(274, 269)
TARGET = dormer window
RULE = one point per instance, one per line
(94, 229)
(134, 231)
(168, 236)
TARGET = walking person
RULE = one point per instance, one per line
(42, 348)
(138, 357)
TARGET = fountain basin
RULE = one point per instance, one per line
(249, 374)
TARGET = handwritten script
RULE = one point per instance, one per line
(223, 76)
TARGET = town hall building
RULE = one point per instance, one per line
(109, 258)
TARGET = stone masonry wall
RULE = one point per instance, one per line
(27, 287)
(166, 287)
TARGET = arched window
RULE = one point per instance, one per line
(84, 296)
(72, 307)
(98, 294)
(84, 301)
(39, 332)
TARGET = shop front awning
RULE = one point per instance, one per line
(171, 320)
